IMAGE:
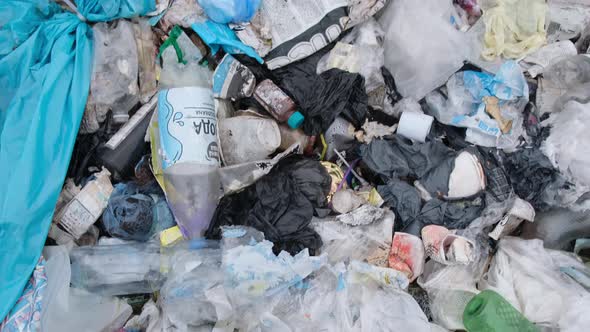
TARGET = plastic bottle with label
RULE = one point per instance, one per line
(189, 149)
(276, 102)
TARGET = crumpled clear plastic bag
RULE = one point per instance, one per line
(115, 70)
(360, 51)
(422, 48)
(71, 309)
(529, 277)
(465, 107)
(568, 144)
(366, 242)
(451, 287)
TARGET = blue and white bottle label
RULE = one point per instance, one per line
(188, 126)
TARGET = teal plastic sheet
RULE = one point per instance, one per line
(45, 71)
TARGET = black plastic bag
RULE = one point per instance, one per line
(530, 172)
(280, 204)
(430, 162)
(320, 98)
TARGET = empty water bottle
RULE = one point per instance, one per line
(188, 135)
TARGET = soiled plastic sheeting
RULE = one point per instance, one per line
(45, 80)
(514, 28)
(530, 278)
(420, 67)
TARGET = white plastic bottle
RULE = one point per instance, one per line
(189, 150)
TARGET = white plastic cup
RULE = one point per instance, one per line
(415, 126)
(248, 138)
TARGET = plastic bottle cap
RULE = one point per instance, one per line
(295, 120)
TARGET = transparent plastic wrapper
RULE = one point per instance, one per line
(469, 105)
(230, 11)
(529, 277)
(256, 280)
(131, 267)
(183, 13)
(236, 177)
(187, 297)
(537, 62)
(563, 81)
(360, 51)
(71, 309)
(417, 66)
(514, 28)
(117, 269)
(357, 297)
(568, 144)
(114, 80)
(451, 287)
(369, 241)
(558, 228)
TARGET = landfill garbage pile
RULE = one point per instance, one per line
(309, 165)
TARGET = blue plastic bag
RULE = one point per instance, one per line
(137, 212)
(45, 70)
(218, 36)
(230, 11)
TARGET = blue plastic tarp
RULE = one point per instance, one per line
(45, 71)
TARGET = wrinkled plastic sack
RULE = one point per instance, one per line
(430, 162)
(369, 241)
(322, 98)
(530, 173)
(67, 308)
(280, 204)
(181, 12)
(451, 287)
(230, 11)
(115, 69)
(257, 281)
(185, 297)
(558, 228)
(563, 81)
(137, 212)
(361, 51)
(568, 145)
(466, 108)
(32, 136)
(417, 66)
(514, 28)
(536, 62)
(529, 277)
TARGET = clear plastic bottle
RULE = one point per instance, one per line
(189, 147)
